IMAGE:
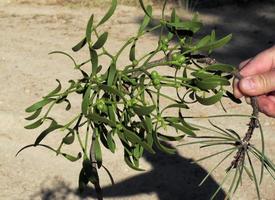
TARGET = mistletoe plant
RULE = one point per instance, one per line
(126, 104)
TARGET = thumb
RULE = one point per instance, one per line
(256, 85)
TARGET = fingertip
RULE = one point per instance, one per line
(248, 86)
(261, 63)
(242, 64)
(236, 91)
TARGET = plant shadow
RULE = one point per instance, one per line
(171, 177)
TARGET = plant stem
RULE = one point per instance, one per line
(123, 47)
(253, 124)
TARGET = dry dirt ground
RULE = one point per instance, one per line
(29, 31)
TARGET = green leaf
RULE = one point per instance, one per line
(177, 105)
(68, 107)
(72, 158)
(182, 128)
(34, 115)
(98, 153)
(188, 26)
(112, 90)
(146, 19)
(181, 120)
(86, 101)
(133, 138)
(161, 146)
(82, 181)
(144, 110)
(123, 140)
(138, 152)
(89, 30)
(94, 61)
(79, 45)
(69, 157)
(201, 74)
(132, 55)
(234, 133)
(85, 76)
(66, 54)
(211, 82)
(213, 36)
(34, 125)
(69, 138)
(224, 132)
(99, 68)
(128, 161)
(102, 131)
(163, 9)
(111, 113)
(44, 133)
(98, 118)
(170, 138)
(111, 74)
(148, 124)
(101, 41)
(111, 142)
(210, 100)
(56, 90)
(212, 39)
(204, 41)
(216, 44)
(187, 125)
(254, 176)
(233, 98)
(90, 171)
(39, 105)
(220, 67)
(141, 80)
(222, 80)
(207, 85)
(149, 129)
(184, 73)
(174, 17)
(61, 99)
(109, 13)
(144, 9)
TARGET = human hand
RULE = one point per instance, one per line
(259, 80)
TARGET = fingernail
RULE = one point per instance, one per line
(248, 83)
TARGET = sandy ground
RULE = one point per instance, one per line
(28, 32)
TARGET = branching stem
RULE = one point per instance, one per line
(253, 124)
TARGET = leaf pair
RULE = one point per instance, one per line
(89, 29)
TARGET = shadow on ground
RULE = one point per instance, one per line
(252, 25)
(171, 177)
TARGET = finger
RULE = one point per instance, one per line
(237, 93)
(261, 63)
(267, 105)
(242, 64)
(258, 84)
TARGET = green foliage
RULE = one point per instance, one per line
(124, 104)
